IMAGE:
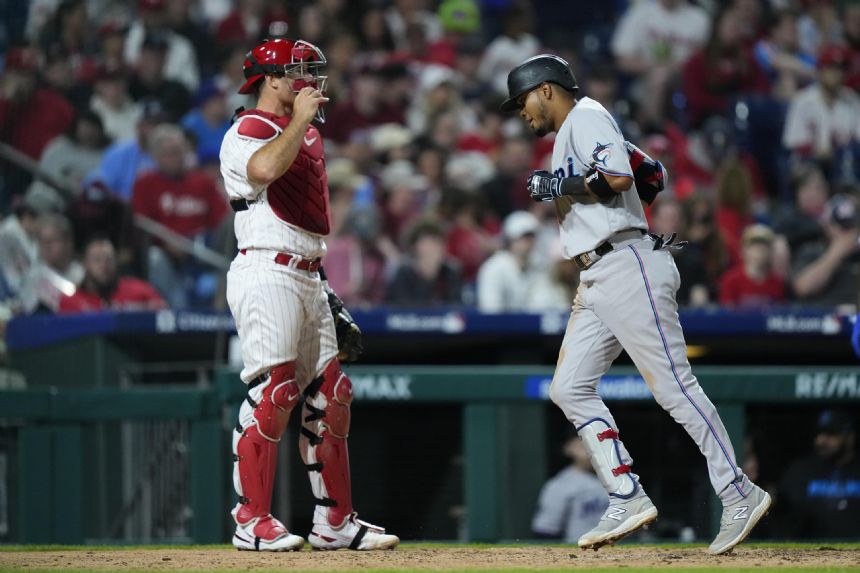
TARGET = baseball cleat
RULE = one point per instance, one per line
(353, 534)
(265, 534)
(621, 518)
(738, 520)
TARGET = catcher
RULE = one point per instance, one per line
(293, 329)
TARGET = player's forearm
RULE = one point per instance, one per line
(816, 276)
(576, 188)
(273, 159)
(619, 183)
(605, 186)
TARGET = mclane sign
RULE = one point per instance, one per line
(827, 385)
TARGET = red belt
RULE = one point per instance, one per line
(310, 265)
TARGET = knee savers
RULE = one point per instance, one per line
(328, 399)
(279, 396)
(602, 443)
(325, 428)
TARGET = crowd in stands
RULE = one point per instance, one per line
(752, 105)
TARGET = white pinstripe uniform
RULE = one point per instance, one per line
(626, 299)
(285, 323)
(281, 312)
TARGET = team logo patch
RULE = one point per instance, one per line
(601, 153)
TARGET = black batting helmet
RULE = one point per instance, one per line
(535, 71)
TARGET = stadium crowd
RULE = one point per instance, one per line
(751, 104)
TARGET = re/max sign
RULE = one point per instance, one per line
(827, 385)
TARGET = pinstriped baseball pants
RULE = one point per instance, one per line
(627, 299)
(281, 315)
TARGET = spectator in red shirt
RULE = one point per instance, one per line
(461, 21)
(734, 189)
(30, 115)
(187, 202)
(753, 283)
(471, 236)
(487, 135)
(723, 70)
(103, 289)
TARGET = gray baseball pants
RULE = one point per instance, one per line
(627, 299)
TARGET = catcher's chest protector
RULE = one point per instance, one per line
(299, 196)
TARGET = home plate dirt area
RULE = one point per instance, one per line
(433, 558)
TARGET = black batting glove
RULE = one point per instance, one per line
(544, 186)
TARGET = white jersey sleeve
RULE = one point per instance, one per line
(236, 151)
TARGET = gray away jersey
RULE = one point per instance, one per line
(590, 137)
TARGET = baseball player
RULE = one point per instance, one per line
(626, 299)
(274, 172)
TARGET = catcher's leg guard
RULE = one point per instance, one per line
(324, 451)
(263, 419)
(325, 428)
(601, 441)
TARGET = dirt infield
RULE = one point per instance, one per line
(430, 558)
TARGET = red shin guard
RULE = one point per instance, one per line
(263, 419)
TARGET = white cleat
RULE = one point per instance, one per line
(622, 518)
(353, 534)
(738, 520)
(265, 534)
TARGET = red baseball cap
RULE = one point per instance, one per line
(833, 55)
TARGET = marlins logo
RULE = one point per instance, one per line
(601, 153)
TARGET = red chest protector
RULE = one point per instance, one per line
(299, 196)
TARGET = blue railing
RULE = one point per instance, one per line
(40, 330)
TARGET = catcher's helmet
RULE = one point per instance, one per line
(280, 57)
(535, 71)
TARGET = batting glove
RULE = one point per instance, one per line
(544, 186)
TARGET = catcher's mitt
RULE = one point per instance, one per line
(348, 333)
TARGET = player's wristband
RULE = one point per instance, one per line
(598, 185)
(574, 186)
